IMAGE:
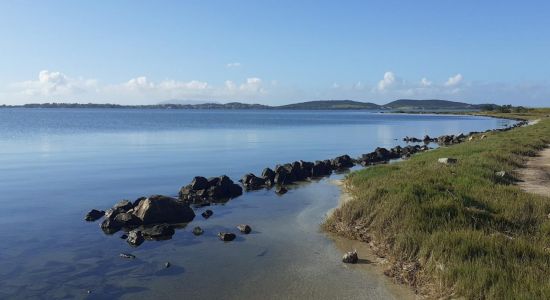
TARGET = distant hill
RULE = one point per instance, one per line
(408, 104)
(186, 102)
(402, 104)
(330, 104)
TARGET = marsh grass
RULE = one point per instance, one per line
(473, 234)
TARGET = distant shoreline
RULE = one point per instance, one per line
(403, 105)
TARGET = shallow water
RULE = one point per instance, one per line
(56, 164)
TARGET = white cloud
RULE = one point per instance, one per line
(454, 80)
(233, 65)
(425, 82)
(53, 84)
(388, 80)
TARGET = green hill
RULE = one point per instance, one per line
(331, 104)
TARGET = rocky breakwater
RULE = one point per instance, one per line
(204, 191)
(295, 172)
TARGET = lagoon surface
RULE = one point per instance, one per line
(57, 164)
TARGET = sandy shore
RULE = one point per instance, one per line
(368, 260)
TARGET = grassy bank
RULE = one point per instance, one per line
(457, 230)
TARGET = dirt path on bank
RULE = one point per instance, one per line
(535, 177)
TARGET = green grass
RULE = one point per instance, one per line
(473, 234)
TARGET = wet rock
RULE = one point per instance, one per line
(123, 206)
(204, 190)
(158, 232)
(127, 220)
(123, 236)
(127, 255)
(110, 226)
(246, 229)
(226, 236)
(350, 257)
(94, 215)
(252, 182)
(135, 238)
(163, 209)
(447, 160)
(199, 183)
(281, 190)
(167, 265)
(342, 162)
(207, 214)
(321, 168)
(197, 231)
(269, 176)
(282, 175)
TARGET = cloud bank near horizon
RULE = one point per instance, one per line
(55, 86)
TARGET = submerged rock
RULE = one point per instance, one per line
(127, 255)
(198, 231)
(246, 229)
(162, 209)
(350, 257)
(207, 214)
(281, 190)
(94, 215)
(135, 238)
(226, 236)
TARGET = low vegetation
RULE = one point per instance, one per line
(457, 230)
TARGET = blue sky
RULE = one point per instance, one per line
(274, 52)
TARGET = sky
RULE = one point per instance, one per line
(274, 52)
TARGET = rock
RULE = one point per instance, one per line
(207, 214)
(321, 168)
(123, 206)
(282, 175)
(447, 160)
(110, 226)
(167, 264)
(281, 190)
(199, 183)
(482, 137)
(138, 200)
(197, 231)
(427, 139)
(127, 255)
(269, 176)
(158, 232)
(252, 182)
(500, 173)
(94, 215)
(123, 236)
(135, 238)
(350, 257)
(342, 162)
(246, 229)
(127, 220)
(471, 138)
(203, 190)
(163, 209)
(226, 236)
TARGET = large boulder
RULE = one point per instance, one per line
(321, 168)
(163, 209)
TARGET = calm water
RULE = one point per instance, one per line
(56, 164)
